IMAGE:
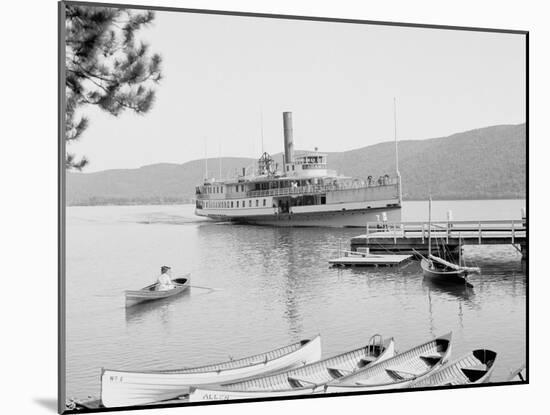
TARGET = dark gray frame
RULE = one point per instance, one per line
(61, 191)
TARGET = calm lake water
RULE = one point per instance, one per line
(269, 287)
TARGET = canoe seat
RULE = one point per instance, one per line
(400, 374)
(299, 382)
(481, 367)
(365, 361)
(474, 373)
(432, 356)
(338, 372)
(431, 359)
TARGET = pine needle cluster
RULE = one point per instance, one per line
(106, 66)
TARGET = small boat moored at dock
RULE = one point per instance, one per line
(127, 388)
(475, 367)
(150, 293)
(444, 271)
(432, 268)
(399, 371)
(305, 380)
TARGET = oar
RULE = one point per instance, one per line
(195, 286)
(204, 288)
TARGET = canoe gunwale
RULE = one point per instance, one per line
(194, 370)
(388, 350)
(443, 273)
(147, 292)
(415, 352)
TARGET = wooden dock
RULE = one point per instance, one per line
(355, 259)
(408, 237)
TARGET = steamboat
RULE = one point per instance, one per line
(301, 192)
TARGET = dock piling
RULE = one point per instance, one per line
(479, 242)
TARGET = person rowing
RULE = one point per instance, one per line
(164, 279)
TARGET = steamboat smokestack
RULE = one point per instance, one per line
(289, 144)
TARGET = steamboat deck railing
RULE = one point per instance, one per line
(316, 189)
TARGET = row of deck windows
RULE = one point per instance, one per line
(219, 189)
(224, 204)
(212, 189)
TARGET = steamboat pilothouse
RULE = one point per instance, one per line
(303, 193)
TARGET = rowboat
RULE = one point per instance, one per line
(435, 268)
(398, 371)
(150, 292)
(126, 388)
(473, 368)
(440, 269)
(305, 380)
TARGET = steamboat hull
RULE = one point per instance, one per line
(353, 218)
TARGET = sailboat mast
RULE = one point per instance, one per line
(262, 128)
(205, 159)
(430, 226)
(220, 157)
(459, 250)
(396, 149)
(395, 137)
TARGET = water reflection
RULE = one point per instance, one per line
(460, 291)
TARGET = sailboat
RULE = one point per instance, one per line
(440, 269)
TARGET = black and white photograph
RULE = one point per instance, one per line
(267, 207)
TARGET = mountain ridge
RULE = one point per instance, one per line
(483, 163)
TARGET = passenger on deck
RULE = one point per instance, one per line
(164, 280)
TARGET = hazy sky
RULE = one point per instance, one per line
(339, 80)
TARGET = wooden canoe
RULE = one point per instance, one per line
(398, 371)
(304, 380)
(125, 388)
(475, 367)
(443, 274)
(150, 292)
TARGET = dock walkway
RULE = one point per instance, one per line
(408, 237)
(355, 259)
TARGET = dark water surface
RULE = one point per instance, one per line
(269, 287)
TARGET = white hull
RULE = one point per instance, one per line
(334, 218)
(399, 371)
(474, 368)
(314, 375)
(123, 388)
(150, 292)
(205, 395)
